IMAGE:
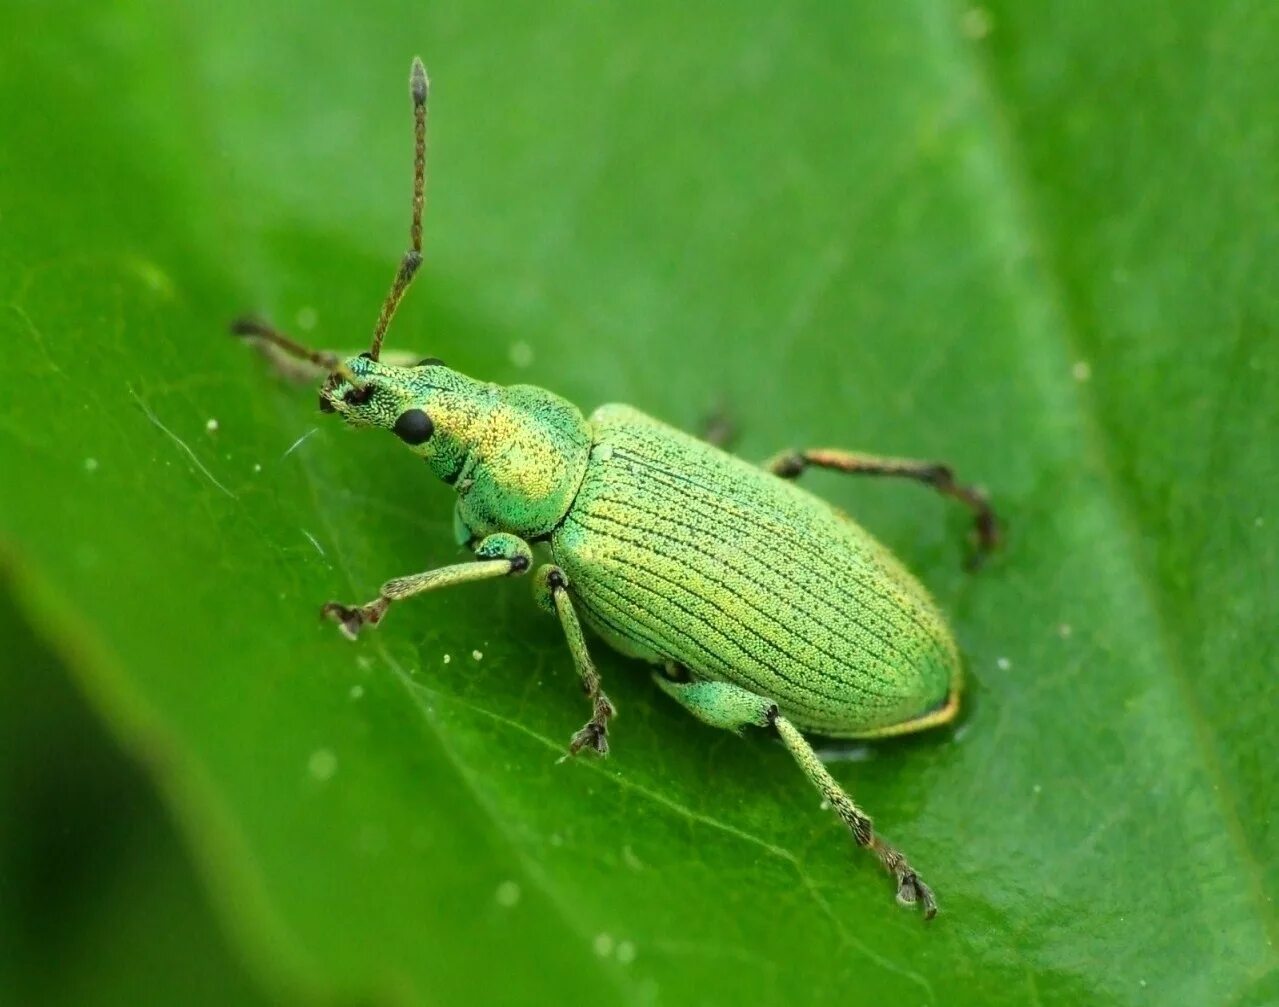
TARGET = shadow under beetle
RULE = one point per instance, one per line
(761, 603)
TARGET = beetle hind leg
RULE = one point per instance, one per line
(728, 706)
(986, 530)
(910, 888)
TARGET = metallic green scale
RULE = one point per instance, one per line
(763, 604)
(679, 552)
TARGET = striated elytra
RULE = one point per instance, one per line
(757, 602)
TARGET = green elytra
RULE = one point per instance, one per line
(760, 603)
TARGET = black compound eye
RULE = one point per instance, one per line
(430, 362)
(414, 427)
(358, 396)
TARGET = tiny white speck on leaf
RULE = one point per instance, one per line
(1259, 522)
(448, 658)
(507, 894)
(1003, 664)
(1064, 630)
(91, 465)
(478, 655)
(1037, 788)
(211, 425)
(603, 945)
(1081, 371)
(306, 319)
(365, 663)
(520, 353)
(825, 805)
(357, 691)
(257, 467)
(322, 764)
(625, 952)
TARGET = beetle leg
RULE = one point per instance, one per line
(719, 428)
(497, 555)
(910, 889)
(720, 704)
(728, 706)
(551, 588)
(303, 370)
(789, 464)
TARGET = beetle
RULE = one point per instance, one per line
(759, 603)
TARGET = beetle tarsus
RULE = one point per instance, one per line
(593, 737)
(987, 535)
(351, 619)
(911, 890)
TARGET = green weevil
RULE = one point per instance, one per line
(759, 603)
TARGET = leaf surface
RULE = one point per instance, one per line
(1036, 243)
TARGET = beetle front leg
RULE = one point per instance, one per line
(789, 465)
(550, 587)
(499, 555)
(728, 706)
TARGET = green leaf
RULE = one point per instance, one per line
(1037, 241)
(95, 866)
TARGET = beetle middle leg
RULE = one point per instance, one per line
(789, 465)
(499, 555)
(724, 705)
(550, 587)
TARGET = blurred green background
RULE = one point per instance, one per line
(1036, 240)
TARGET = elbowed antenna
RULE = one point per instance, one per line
(419, 88)
(331, 362)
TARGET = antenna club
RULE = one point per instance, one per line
(247, 326)
(418, 82)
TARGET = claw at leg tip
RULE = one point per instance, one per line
(593, 737)
(349, 620)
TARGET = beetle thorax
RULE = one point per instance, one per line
(524, 464)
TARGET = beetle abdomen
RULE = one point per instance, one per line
(678, 551)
